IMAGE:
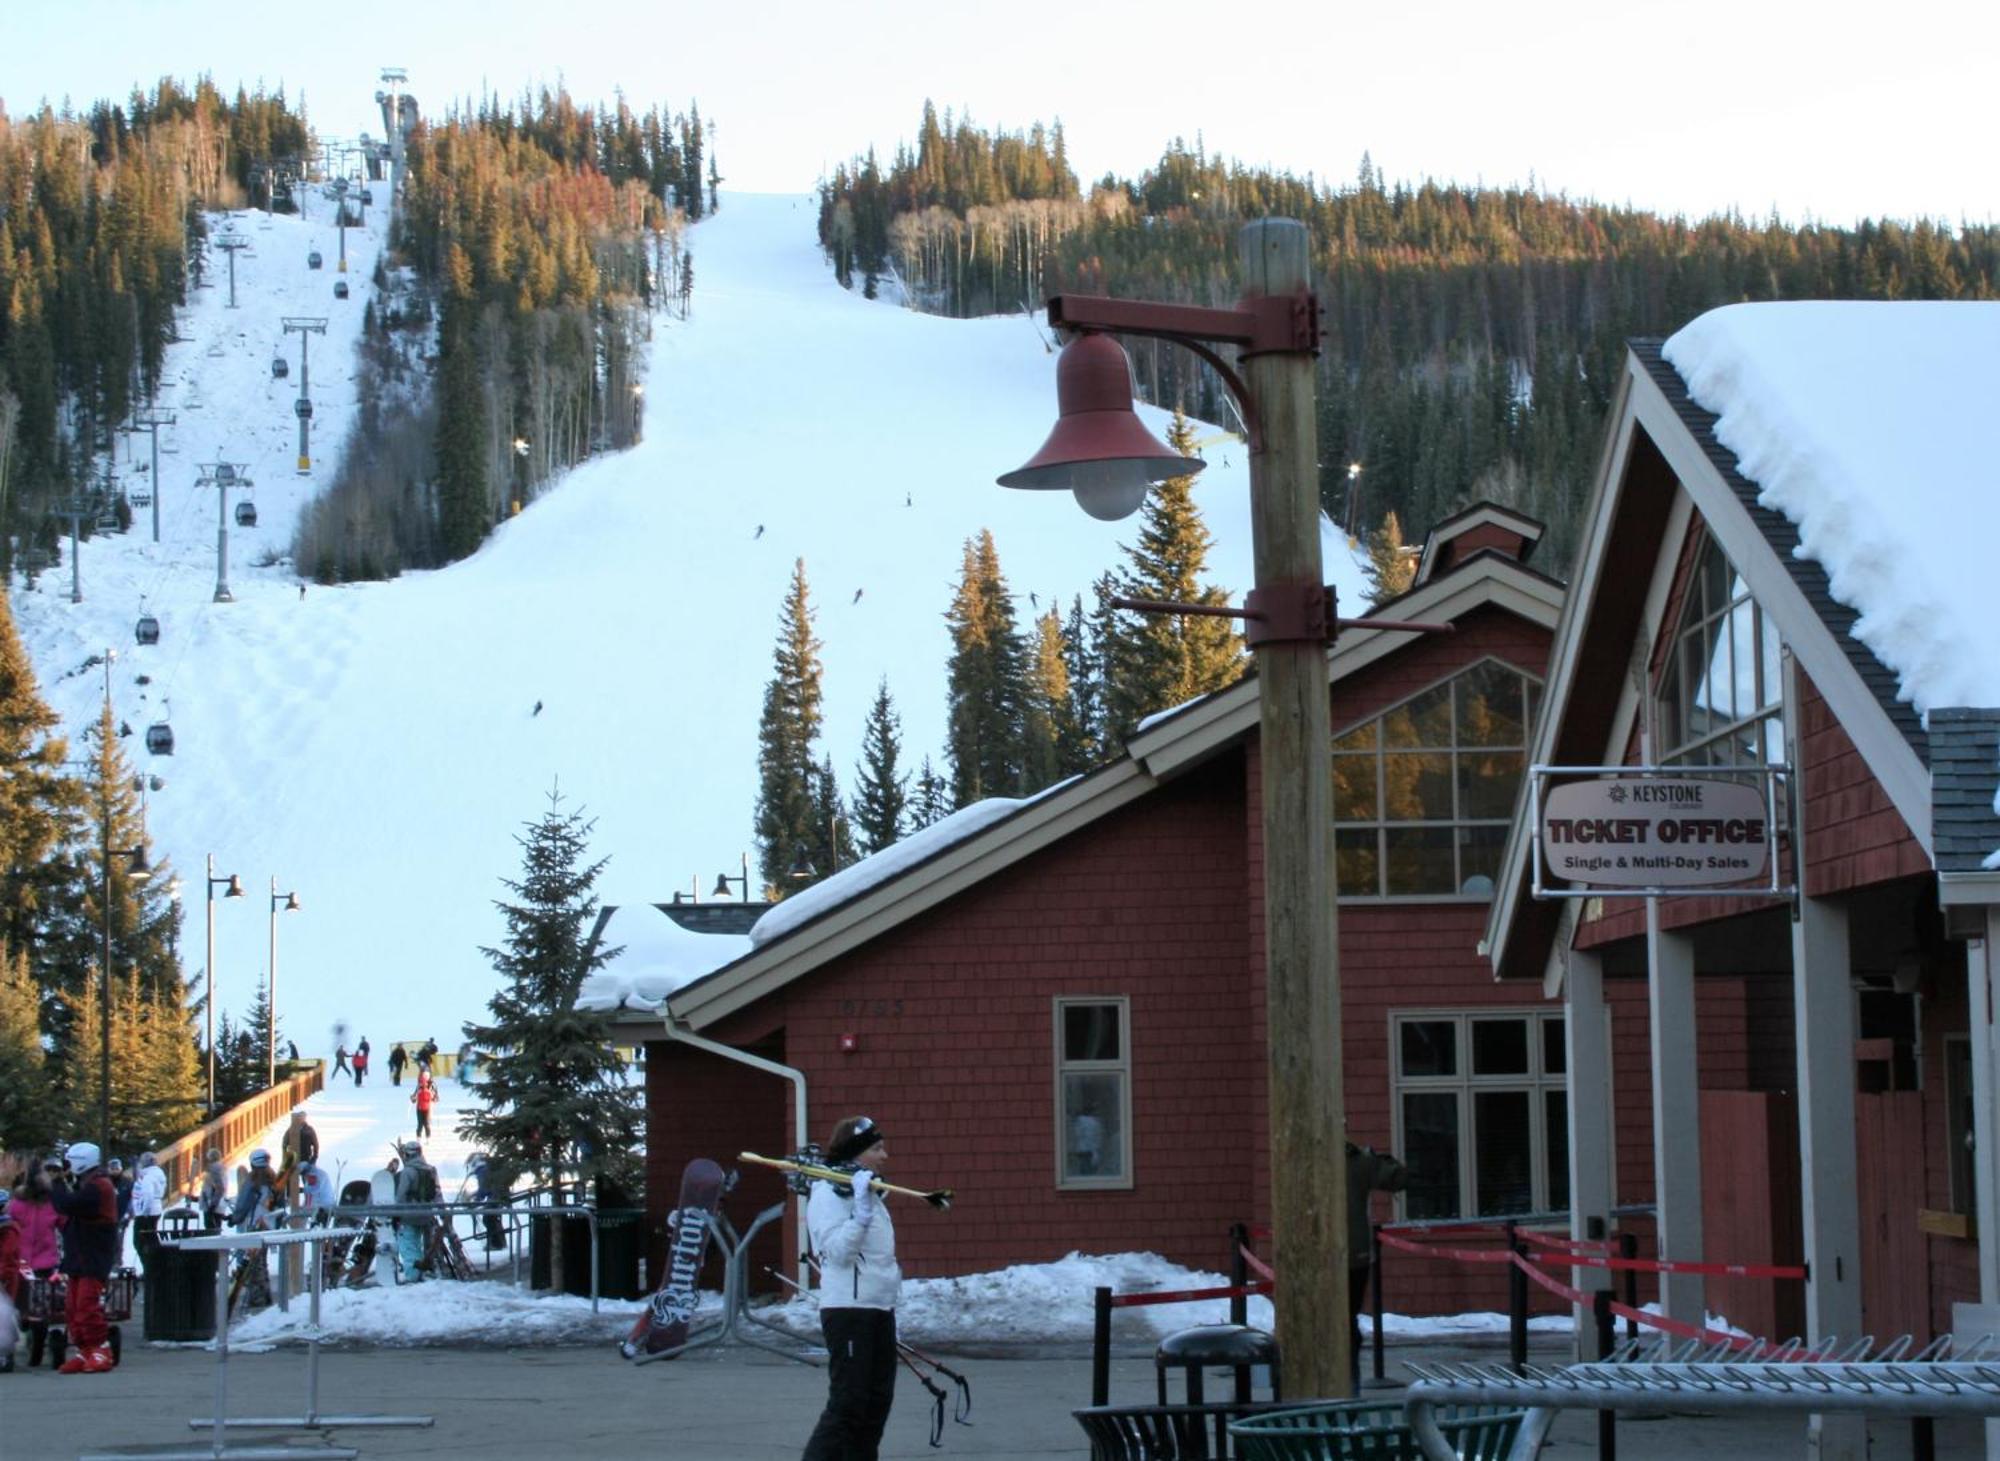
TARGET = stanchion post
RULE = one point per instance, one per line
(1628, 1247)
(1517, 1306)
(1239, 1273)
(1607, 1339)
(1375, 1292)
(1100, 1347)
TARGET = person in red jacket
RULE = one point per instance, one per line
(90, 1249)
(423, 1098)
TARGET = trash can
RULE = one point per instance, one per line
(1371, 1430)
(620, 1241)
(180, 1285)
(1251, 1353)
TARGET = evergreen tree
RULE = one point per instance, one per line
(881, 794)
(558, 1101)
(262, 1049)
(463, 431)
(168, 1074)
(785, 740)
(1086, 690)
(985, 681)
(930, 800)
(1051, 743)
(1390, 569)
(28, 1114)
(40, 821)
(1162, 660)
(830, 845)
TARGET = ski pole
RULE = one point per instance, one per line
(911, 1356)
(937, 1395)
(940, 1199)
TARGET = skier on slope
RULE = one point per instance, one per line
(423, 1098)
(858, 1287)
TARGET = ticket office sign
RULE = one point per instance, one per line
(1656, 832)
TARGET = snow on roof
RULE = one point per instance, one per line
(1873, 428)
(654, 957)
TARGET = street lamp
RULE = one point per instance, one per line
(1101, 452)
(742, 881)
(280, 903)
(234, 887)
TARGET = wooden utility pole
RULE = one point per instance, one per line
(1302, 981)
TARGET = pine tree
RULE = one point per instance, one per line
(559, 1104)
(1049, 735)
(41, 822)
(1162, 660)
(1086, 690)
(881, 793)
(28, 1116)
(930, 799)
(262, 1049)
(984, 680)
(464, 507)
(830, 847)
(1390, 569)
(169, 1079)
(785, 737)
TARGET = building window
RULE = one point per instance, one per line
(1093, 1093)
(1721, 693)
(1482, 1112)
(1423, 795)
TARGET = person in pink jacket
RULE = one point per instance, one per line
(34, 1215)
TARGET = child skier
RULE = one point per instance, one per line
(89, 1203)
(423, 1098)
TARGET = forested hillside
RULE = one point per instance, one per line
(1473, 334)
(536, 243)
(100, 230)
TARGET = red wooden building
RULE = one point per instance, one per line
(1060, 1013)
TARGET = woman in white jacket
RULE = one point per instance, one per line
(858, 1285)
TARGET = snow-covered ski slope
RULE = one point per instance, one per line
(376, 746)
(359, 1127)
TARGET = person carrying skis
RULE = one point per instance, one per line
(398, 1058)
(417, 1182)
(423, 1098)
(340, 1060)
(258, 1205)
(89, 1204)
(858, 1287)
(480, 1168)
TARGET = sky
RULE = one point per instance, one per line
(1689, 107)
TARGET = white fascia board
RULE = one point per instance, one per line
(881, 908)
(1491, 512)
(1902, 775)
(1962, 888)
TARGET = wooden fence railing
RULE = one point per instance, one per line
(234, 1132)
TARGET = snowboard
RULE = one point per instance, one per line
(662, 1328)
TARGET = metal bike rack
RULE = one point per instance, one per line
(1895, 1381)
(735, 1295)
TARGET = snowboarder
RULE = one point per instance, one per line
(857, 596)
(426, 1054)
(537, 710)
(398, 1058)
(859, 1285)
(758, 534)
(89, 1202)
(423, 1098)
(417, 1182)
(480, 1167)
(259, 1205)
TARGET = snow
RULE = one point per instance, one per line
(374, 747)
(655, 956)
(1872, 427)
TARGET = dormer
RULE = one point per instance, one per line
(1482, 527)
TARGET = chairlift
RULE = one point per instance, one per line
(148, 631)
(246, 514)
(142, 498)
(313, 259)
(367, 197)
(160, 739)
(280, 367)
(340, 289)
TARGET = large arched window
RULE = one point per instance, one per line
(1423, 794)
(1721, 693)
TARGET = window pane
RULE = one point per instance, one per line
(1090, 1032)
(1419, 860)
(1501, 1150)
(1357, 863)
(1743, 657)
(1424, 721)
(1354, 788)
(1555, 1055)
(1361, 738)
(1430, 1152)
(1534, 705)
(1716, 577)
(1489, 706)
(1416, 786)
(1695, 720)
(1479, 850)
(1500, 1047)
(1770, 659)
(1487, 782)
(1429, 1047)
(1555, 1105)
(1719, 681)
(1094, 1125)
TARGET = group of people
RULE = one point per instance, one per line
(68, 1214)
(354, 1063)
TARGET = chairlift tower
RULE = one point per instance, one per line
(74, 509)
(222, 476)
(393, 78)
(304, 326)
(340, 210)
(150, 419)
(230, 243)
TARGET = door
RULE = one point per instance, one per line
(1895, 1268)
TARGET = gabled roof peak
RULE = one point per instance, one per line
(1484, 526)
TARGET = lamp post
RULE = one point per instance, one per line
(742, 881)
(1101, 452)
(280, 903)
(138, 872)
(234, 887)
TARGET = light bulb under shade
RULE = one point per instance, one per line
(1111, 490)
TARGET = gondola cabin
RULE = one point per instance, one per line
(340, 289)
(279, 368)
(148, 630)
(246, 514)
(160, 739)
(313, 259)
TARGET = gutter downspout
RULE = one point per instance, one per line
(676, 1030)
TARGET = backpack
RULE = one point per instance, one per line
(424, 1183)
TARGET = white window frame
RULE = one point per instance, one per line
(1765, 719)
(1545, 1024)
(1121, 1067)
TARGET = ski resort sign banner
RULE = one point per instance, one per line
(1659, 835)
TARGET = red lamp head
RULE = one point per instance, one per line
(1099, 449)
